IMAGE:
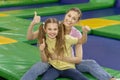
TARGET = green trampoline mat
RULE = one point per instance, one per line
(17, 58)
(112, 31)
(93, 4)
(14, 28)
(114, 17)
(8, 3)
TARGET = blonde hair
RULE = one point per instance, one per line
(60, 38)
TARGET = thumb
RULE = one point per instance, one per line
(35, 13)
(87, 27)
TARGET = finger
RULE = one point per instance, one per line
(35, 13)
(40, 18)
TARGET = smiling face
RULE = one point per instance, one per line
(72, 17)
(51, 30)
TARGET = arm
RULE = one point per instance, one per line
(77, 58)
(74, 59)
(43, 56)
(85, 30)
(30, 34)
(78, 48)
(79, 53)
(42, 50)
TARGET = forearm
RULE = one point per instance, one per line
(73, 60)
(43, 56)
(83, 39)
(30, 34)
(79, 51)
(85, 30)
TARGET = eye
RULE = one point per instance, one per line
(74, 18)
(69, 15)
(49, 28)
(55, 29)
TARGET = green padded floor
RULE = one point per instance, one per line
(7, 3)
(17, 58)
(114, 17)
(14, 28)
(92, 5)
(109, 31)
(3, 29)
(112, 31)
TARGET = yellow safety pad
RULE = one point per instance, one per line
(4, 40)
(94, 23)
(2, 15)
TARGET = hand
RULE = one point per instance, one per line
(42, 46)
(53, 56)
(86, 29)
(36, 18)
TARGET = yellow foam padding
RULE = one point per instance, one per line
(4, 40)
(2, 15)
(94, 23)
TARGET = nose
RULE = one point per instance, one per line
(70, 19)
(52, 31)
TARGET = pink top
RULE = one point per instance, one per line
(75, 33)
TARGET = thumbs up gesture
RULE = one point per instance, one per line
(36, 18)
(86, 29)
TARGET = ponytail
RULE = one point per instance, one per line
(41, 36)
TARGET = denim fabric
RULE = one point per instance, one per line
(53, 74)
(93, 68)
(36, 70)
(85, 66)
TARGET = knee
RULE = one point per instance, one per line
(42, 64)
(91, 61)
(47, 65)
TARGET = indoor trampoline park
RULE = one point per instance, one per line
(17, 54)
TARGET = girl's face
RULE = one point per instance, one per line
(52, 30)
(71, 18)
